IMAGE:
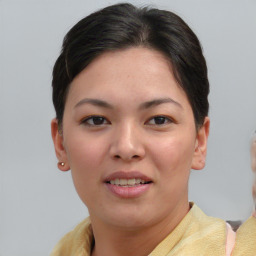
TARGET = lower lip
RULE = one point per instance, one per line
(128, 192)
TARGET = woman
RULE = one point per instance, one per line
(130, 91)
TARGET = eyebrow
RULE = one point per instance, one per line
(144, 105)
(156, 102)
(95, 102)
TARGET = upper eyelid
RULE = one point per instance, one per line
(164, 116)
(91, 116)
(83, 120)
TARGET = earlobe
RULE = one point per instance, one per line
(199, 157)
(58, 145)
(62, 166)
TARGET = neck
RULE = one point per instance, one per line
(116, 241)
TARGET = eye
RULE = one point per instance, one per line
(95, 121)
(159, 120)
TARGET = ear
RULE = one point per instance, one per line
(60, 151)
(199, 157)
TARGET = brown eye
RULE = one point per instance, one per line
(95, 121)
(159, 120)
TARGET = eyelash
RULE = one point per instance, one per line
(93, 119)
(103, 121)
(166, 120)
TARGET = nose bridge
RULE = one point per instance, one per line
(127, 143)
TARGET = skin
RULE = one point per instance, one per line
(129, 138)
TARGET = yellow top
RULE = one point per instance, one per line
(246, 239)
(196, 235)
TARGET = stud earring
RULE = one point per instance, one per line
(63, 166)
(61, 163)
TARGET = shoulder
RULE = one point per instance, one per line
(205, 222)
(207, 234)
(76, 242)
(197, 234)
(246, 239)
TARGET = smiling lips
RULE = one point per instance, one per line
(128, 184)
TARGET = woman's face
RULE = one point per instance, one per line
(129, 138)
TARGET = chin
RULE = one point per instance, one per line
(127, 218)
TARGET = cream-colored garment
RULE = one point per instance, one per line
(196, 235)
(246, 239)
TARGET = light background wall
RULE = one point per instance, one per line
(38, 204)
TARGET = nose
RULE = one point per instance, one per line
(127, 144)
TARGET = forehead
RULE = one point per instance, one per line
(127, 61)
(132, 67)
(127, 79)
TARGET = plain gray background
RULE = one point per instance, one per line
(38, 203)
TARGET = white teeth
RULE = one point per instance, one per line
(123, 182)
(127, 182)
(138, 181)
(131, 182)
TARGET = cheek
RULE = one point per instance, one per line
(86, 158)
(172, 159)
(178, 156)
(84, 151)
(174, 155)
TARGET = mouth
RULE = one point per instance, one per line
(128, 184)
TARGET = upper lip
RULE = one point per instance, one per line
(127, 175)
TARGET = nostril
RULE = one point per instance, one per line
(130, 158)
